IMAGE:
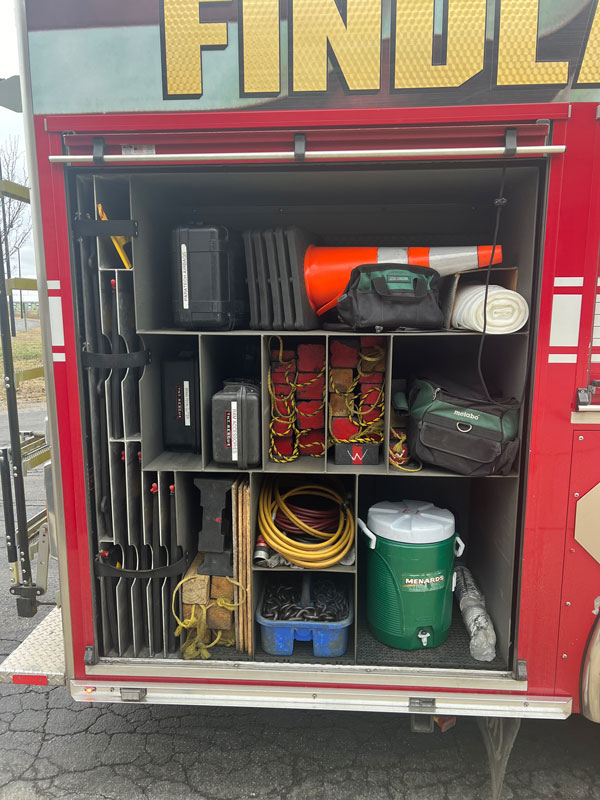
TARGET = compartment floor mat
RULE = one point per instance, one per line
(453, 654)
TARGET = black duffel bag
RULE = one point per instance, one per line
(460, 430)
(385, 297)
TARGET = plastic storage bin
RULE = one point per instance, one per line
(330, 639)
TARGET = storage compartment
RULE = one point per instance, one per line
(170, 399)
(394, 206)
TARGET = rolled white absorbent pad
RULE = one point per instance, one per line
(507, 311)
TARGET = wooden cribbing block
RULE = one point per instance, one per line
(221, 587)
(281, 408)
(281, 370)
(310, 415)
(367, 365)
(343, 353)
(311, 357)
(187, 613)
(312, 442)
(219, 619)
(341, 406)
(283, 391)
(342, 379)
(309, 386)
(370, 396)
(284, 445)
(372, 378)
(342, 428)
(371, 341)
(281, 428)
(287, 355)
(196, 590)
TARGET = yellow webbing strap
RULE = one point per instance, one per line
(196, 627)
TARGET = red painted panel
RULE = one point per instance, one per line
(30, 680)
(232, 120)
(581, 582)
(66, 379)
(568, 252)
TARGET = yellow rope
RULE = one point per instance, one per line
(290, 416)
(196, 627)
(366, 432)
(395, 453)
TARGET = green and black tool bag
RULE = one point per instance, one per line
(385, 297)
(460, 430)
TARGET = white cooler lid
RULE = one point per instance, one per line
(411, 522)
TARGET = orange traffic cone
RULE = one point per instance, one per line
(327, 269)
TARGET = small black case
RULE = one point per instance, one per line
(210, 287)
(180, 404)
(236, 431)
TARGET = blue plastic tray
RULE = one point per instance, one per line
(330, 639)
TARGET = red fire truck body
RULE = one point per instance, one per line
(125, 114)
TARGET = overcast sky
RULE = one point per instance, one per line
(11, 123)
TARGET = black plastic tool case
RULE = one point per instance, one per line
(236, 425)
(210, 290)
(181, 411)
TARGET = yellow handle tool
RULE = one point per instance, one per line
(118, 241)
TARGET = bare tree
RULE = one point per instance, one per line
(18, 217)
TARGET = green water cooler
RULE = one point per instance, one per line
(410, 572)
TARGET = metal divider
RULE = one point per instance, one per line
(130, 393)
(163, 557)
(133, 482)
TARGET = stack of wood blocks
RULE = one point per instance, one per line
(310, 394)
(297, 388)
(356, 394)
(200, 594)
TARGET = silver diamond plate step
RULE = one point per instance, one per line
(41, 654)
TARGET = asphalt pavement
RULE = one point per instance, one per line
(53, 748)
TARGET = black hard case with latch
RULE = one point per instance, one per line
(210, 286)
(236, 424)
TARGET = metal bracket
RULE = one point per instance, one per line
(422, 723)
(132, 695)
(300, 147)
(84, 228)
(89, 655)
(510, 142)
(521, 670)
(422, 704)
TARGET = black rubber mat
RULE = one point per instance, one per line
(453, 654)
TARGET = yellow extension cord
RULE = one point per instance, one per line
(331, 548)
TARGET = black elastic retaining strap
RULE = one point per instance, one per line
(300, 147)
(115, 360)
(98, 149)
(510, 142)
(104, 570)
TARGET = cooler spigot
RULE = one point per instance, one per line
(424, 636)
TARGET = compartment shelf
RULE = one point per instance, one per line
(175, 462)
